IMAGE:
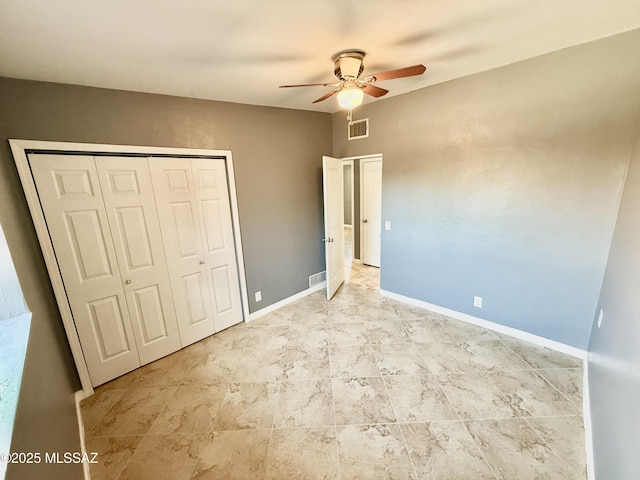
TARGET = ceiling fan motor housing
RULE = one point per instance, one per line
(348, 64)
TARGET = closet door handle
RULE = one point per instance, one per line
(127, 282)
(201, 262)
(365, 221)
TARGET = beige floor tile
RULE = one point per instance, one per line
(114, 454)
(213, 369)
(492, 355)
(361, 400)
(568, 380)
(531, 395)
(401, 359)
(165, 372)
(233, 455)
(346, 313)
(281, 316)
(371, 452)
(447, 358)
(210, 410)
(387, 331)
(515, 451)
(134, 412)
(247, 405)
(95, 408)
(475, 397)
(377, 311)
(463, 331)
(266, 338)
(309, 316)
(305, 403)
(303, 454)
(409, 313)
(163, 457)
(418, 398)
(347, 334)
(314, 335)
(427, 331)
(306, 362)
(353, 361)
(565, 436)
(541, 357)
(258, 365)
(190, 409)
(445, 451)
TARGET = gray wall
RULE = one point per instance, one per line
(277, 158)
(614, 349)
(505, 185)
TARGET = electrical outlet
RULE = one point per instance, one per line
(477, 302)
(259, 296)
(600, 315)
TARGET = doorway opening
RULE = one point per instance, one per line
(362, 212)
(348, 184)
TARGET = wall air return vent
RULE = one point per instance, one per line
(317, 278)
(358, 129)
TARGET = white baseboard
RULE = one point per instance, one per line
(274, 306)
(586, 418)
(496, 327)
(79, 396)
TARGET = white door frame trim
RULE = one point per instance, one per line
(20, 149)
(366, 159)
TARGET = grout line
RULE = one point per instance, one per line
(277, 400)
(464, 423)
(556, 388)
(395, 414)
(333, 408)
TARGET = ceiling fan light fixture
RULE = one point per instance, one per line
(350, 97)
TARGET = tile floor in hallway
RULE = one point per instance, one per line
(362, 387)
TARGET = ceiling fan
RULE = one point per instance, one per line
(350, 87)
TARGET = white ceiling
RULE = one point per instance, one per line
(241, 50)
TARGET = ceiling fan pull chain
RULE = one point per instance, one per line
(350, 116)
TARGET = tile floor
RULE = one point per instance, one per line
(359, 388)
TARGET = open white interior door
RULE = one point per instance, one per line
(333, 191)
(371, 210)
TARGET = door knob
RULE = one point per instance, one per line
(127, 282)
(365, 221)
(201, 262)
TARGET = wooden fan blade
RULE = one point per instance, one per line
(324, 97)
(374, 91)
(399, 73)
(307, 85)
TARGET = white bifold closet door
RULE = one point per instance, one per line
(193, 204)
(107, 241)
(131, 210)
(146, 252)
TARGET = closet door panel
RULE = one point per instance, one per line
(212, 197)
(71, 199)
(131, 210)
(182, 236)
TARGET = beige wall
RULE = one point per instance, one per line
(277, 159)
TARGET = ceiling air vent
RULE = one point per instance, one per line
(358, 129)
